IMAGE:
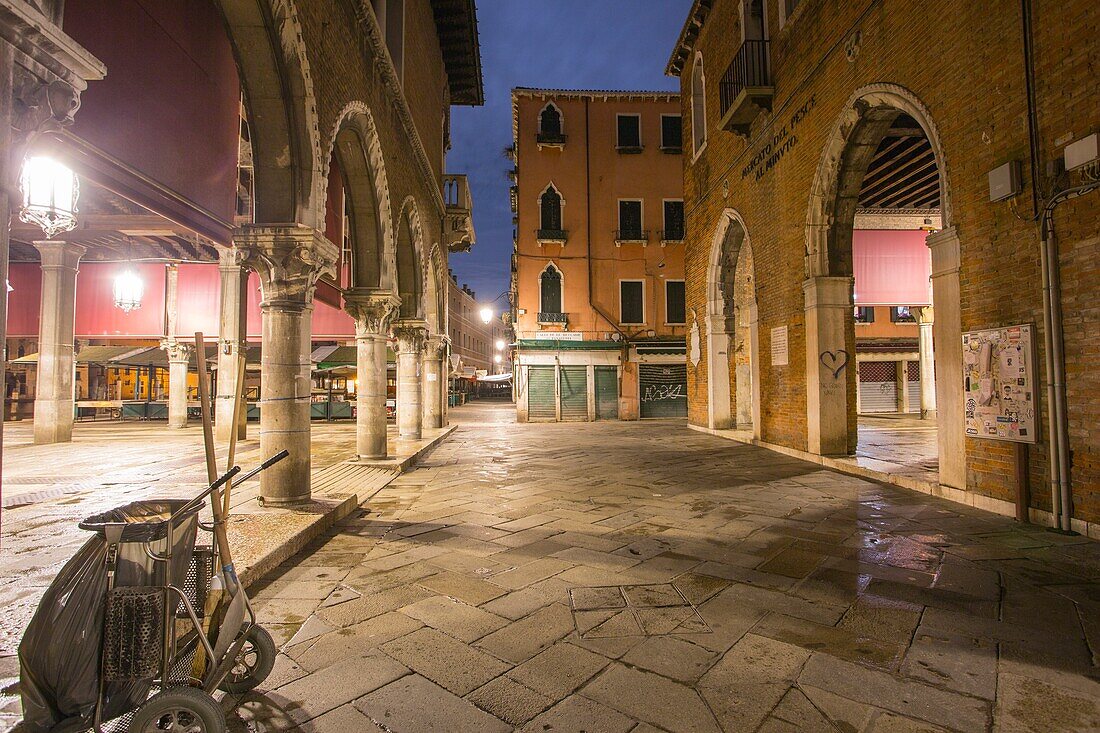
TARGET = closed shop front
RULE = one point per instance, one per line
(878, 387)
(663, 390)
(542, 402)
(607, 393)
(574, 393)
(913, 371)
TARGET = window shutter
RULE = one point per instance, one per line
(674, 220)
(672, 132)
(550, 291)
(550, 121)
(675, 310)
(551, 209)
(630, 219)
(630, 134)
(630, 302)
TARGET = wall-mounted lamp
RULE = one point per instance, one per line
(50, 192)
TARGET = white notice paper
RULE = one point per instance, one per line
(780, 354)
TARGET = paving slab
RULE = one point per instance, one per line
(413, 704)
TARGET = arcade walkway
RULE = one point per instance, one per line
(641, 577)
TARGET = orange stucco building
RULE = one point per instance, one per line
(598, 269)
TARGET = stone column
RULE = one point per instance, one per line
(927, 364)
(828, 304)
(410, 342)
(373, 310)
(53, 403)
(947, 333)
(289, 260)
(432, 369)
(179, 358)
(232, 340)
(754, 359)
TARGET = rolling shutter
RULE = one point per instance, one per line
(607, 393)
(878, 388)
(574, 393)
(541, 401)
(913, 370)
(663, 390)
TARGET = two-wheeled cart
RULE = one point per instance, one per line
(125, 617)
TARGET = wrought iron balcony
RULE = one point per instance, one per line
(551, 236)
(747, 87)
(672, 236)
(458, 230)
(552, 318)
(631, 236)
(552, 139)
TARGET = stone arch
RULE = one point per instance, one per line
(732, 333)
(278, 89)
(855, 135)
(435, 291)
(356, 145)
(830, 332)
(411, 265)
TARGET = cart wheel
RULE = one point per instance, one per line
(253, 664)
(179, 710)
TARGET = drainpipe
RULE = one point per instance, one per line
(1055, 361)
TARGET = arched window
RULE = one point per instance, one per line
(550, 210)
(698, 104)
(550, 121)
(550, 290)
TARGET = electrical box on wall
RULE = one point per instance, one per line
(1084, 151)
(1004, 181)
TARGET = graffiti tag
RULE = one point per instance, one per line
(658, 392)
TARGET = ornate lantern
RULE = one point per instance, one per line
(50, 191)
(129, 289)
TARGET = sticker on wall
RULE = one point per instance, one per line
(999, 384)
(693, 340)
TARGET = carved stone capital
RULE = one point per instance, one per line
(411, 335)
(289, 261)
(435, 348)
(177, 350)
(56, 254)
(372, 309)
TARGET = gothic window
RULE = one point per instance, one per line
(550, 290)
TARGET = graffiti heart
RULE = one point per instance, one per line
(834, 361)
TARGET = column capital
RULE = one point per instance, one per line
(411, 334)
(57, 253)
(372, 308)
(289, 260)
(828, 292)
(178, 351)
(435, 347)
(926, 315)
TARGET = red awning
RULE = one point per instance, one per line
(892, 267)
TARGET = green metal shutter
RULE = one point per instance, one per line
(607, 393)
(663, 390)
(574, 393)
(541, 403)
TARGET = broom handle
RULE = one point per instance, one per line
(238, 405)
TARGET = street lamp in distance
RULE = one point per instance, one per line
(486, 314)
(500, 344)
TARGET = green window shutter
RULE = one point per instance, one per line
(630, 219)
(630, 302)
(674, 221)
(675, 311)
(574, 393)
(541, 402)
(629, 129)
(672, 132)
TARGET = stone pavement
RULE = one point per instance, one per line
(642, 577)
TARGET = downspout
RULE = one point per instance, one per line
(1055, 360)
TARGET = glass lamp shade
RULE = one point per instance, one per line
(500, 345)
(497, 359)
(129, 290)
(50, 191)
(486, 314)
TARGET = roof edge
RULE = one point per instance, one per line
(688, 34)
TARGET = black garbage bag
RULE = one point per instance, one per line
(59, 656)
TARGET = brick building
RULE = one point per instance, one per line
(269, 171)
(474, 343)
(597, 276)
(792, 111)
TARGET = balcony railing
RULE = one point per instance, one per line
(746, 87)
(631, 236)
(552, 318)
(550, 138)
(551, 235)
(672, 236)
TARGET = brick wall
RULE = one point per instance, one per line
(969, 73)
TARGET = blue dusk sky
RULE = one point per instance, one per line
(561, 44)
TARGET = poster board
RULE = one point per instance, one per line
(1000, 400)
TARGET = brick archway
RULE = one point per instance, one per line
(278, 89)
(411, 262)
